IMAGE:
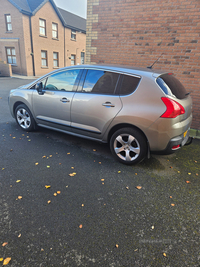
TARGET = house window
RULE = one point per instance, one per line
(42, 24)
(11, 55)
(73, 60)
(73, 35)
(55, 59)
(8, 23)
(55, 30)
(44, 58)
(82, 57)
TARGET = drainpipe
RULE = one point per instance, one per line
(64, 49)
(31, 38)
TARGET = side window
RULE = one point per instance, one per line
(100, 82)
(62, 81)
(129, 84)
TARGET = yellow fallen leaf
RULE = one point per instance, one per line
(72, 167)
(58, 192)
(189, 173)
(136, 173)
(3, 169)
(116, 245)
(55, 194)
(172, 205)
(19, 197)
(197, 174)
(36, 163)
(164, 254)
(48, 166)
(170, 196)
(94, 150)
(44, 157)
(19, 235)
(102, 180)
(127, 188)
(68, 153)
(1, 259)
(18, 181)
(49, 201)
(152, 227)
(82, 205)
(29, 140)
(14, 137)
(4, 244)
(80, 226)
(102, 183)
(119, 171)
(47, 186)
(188, 182)
(42, 249)
(138, 187)
(72, 174)
(50, 156)
(99, 162)
(6, 261)
(60, 163)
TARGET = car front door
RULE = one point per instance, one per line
(52, 107)
(95, 105)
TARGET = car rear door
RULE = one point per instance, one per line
(95, 104)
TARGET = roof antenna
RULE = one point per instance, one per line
(150, 67)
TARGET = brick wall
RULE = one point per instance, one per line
(137, 32)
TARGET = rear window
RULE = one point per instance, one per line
(172, 86)
(129, 84)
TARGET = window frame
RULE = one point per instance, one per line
(11, 55)
(46, 58)
(41, 27)
(56, 60)
(82, 58)
(8, 23)
(55, 31)
(73, 59)
(73, 35)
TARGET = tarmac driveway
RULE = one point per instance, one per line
(64, 201)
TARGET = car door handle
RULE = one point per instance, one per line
(64, 100)
(108, 105)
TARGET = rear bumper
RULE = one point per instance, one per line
(176, 143)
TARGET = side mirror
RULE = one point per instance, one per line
(39, 88)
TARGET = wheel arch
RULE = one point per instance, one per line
(17, 104)
(124, 125)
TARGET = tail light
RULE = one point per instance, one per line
(173, 110)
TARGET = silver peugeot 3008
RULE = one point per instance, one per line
(135, 110)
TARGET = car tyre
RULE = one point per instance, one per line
(128, 145)
(24, 118)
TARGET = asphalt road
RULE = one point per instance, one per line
(93, 213)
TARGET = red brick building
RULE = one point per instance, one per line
(137, 32)
(37, 37)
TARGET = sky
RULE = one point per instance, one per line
(77, 7)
